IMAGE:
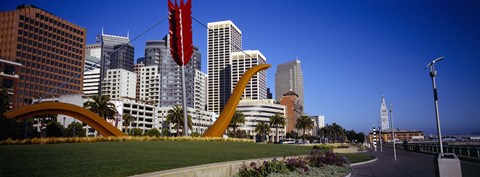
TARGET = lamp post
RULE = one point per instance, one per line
(393, 135)
(433, 73)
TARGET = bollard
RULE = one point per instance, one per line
(447, 165)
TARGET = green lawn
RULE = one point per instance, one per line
(358, 157)
(128, 158)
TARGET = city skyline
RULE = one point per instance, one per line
(350, 52)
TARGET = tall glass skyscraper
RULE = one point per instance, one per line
(223, 39)
(289, 77)
(164, 82)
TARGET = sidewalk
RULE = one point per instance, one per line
(408, 164)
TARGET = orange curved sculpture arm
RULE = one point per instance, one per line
(80, 113)
(221, 124)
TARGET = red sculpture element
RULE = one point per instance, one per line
(180, 21)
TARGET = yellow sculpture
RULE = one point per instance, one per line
(82, 114)
(221, 124)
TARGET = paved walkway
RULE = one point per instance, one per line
(408, 164)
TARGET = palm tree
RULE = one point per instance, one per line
(102, 106)
(277, 120)
(338, 131)
(262, 128)
(304, 123)
(175, 116)
(238, 118)
(5, 101)
(127, 118)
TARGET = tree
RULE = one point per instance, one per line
(237, 118)
(127, 118)
(262, 128)
(351, 135)
(338, 131)
(76, 127)
(135, 132)
(360, 137)
(153, 132)
(292, 134)
(4, 102)
(44, 119)
(277, 120)
(54, 129)
(102, 106)
(304, 123)
(175, 116)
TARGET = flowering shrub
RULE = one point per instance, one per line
(309, 165)
(318, 159)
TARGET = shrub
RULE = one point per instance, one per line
(318, 159)
(153, 132)
(135, 132)
(195, 134)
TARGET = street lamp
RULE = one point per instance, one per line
(433, 73)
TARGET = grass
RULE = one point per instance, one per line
(128, 157)
(57, 140)
(358, 157)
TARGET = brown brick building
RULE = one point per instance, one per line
(293, 108)
(50, 49)
(400, 135)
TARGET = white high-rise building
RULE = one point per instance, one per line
(319, 122)
(289, 77)
(119, 83)
(91, 76)
(223, 39)
(256, 111)
(242, 61)
(200, 91)
(148, 83)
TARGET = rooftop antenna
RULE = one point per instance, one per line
(128, 34)
(102, 30)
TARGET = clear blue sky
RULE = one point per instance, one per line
(351, 51)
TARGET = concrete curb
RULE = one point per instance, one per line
(217, 169)
(361, 163)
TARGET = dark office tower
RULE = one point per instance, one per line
(123, 56)
(140, 60)
(169, 88)
(50, 49)
(223, 39)
(269, 94)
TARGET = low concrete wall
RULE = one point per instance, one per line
(222, 169)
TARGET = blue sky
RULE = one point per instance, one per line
(351, 51)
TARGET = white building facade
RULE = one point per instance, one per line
(201, 120)
(119, 83)
(256, 111)
(91, 76)
(200, 90)
(319, 122)
(242, 61)
(224, 37)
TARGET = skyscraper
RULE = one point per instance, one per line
(50, 49)
(289, 77)
(91, 76)
(104, 49)
(223, 39)
(242, 61)
(157, 54)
